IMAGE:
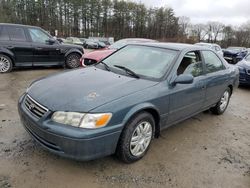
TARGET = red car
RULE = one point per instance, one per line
(96, 56)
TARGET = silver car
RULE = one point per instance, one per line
(214, 47)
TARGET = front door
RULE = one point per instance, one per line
(188, 99)
(44, 53)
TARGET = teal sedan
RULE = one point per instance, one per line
(119, 105)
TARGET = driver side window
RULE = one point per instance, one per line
(191, 64)
(38, 36)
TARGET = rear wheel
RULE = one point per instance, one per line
(136, 138)
(6, 64)
(221, 106)
(73, 61)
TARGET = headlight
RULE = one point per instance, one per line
(88, 121)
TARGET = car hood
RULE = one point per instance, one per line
(244, 64)
(84, 89)
(98, 55)
(233, 52)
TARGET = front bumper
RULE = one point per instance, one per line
(67, 141)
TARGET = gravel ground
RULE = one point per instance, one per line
(204, 151)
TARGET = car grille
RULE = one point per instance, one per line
(34, 107)
(89, 62)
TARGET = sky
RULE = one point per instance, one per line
(229, 12)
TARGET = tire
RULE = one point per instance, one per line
(73, 61)
(134, 143)
(221, 106)
(6, 64)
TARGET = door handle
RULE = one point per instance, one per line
(38, 48)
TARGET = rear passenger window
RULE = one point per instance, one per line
(17, 34)
(212, 62)
(191, 64)
(4, 34)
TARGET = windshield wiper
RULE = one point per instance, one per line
(130, 72)
(106, 66)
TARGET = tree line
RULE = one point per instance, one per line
(118, 19)
(84, 18)
(216, 32)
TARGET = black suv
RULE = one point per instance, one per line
(22, 45)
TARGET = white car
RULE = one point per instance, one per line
(214, 47)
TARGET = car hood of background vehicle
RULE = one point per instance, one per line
(84, 89)
(244, 63)
(233, 52)
(98, 55)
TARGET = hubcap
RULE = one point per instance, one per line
(4, 64)
(74, 61)
(141, 138)
(224, 100)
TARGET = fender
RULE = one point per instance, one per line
(138, 108)
(7, 52)
(73, 50)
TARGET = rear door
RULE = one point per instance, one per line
(216, 77)
(188, 99)
(44, 53)
(15, 39)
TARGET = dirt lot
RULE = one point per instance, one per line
(205, 151)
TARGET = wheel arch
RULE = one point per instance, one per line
(8, 54)
(149, 108)
(230, 86)
(72, 51)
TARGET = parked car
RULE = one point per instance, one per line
(83, 40)
(91, 44)
(22, 46)
(214, 47)
(248, 50)
(235, 54)
(73, 40)
(61, 40)
(122, 103)
(244, 68)
(95, 56)
(101, 44)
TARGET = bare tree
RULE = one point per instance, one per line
(214, 29)
(184, 24)
(198, 31)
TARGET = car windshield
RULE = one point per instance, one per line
(145, 61)
(76, 40)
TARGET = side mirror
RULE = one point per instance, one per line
(183, 79)
(51, 41)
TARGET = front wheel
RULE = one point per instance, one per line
(73, 61)
(5, 64)
(136, 138)
(221, 106)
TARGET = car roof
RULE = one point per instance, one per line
(173, 46)
(206, 43)
(20, 25)
(138, 39)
